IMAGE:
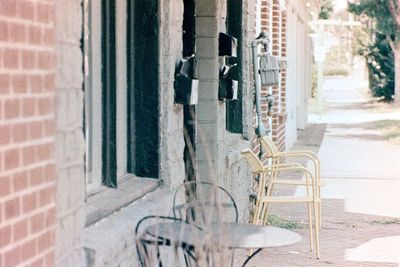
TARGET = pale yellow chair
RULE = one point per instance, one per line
(271, 151)
(268, 176)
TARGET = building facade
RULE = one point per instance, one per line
(92, 138)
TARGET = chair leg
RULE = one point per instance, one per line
(264, 218)
(316, 221)
(319, 208)
(266, 213)
(142, 252)
(261, 218)
(257, 212)
(310, 226)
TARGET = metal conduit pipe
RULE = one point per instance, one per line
(262, 39)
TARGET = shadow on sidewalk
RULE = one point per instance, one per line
(342, 233)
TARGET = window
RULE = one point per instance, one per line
(234, 109)
(189, 111)
(120, 44)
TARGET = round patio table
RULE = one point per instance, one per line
(229, 235)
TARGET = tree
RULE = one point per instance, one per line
(326, 9)
(386, 14)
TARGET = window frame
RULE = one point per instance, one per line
(110, 100)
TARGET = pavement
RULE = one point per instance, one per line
(361, 169)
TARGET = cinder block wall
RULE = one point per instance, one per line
(70, 144)
(27, 163)
(218, 151)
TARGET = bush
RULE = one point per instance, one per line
(314, 81)
(336, 71)
(380, 63)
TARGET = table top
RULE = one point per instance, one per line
(231, 235)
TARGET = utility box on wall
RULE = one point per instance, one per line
(186, 85)
(227, 45)
(229, 73)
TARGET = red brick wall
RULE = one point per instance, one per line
(27, 170)
(282, 118)
(278, 117)
(278, 31)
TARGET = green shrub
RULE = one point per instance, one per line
(380, 64)
(314, 81)
(336, 71)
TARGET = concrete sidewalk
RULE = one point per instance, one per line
(361, 199)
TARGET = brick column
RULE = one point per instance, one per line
(265, 18)
(278, 122)
(27, 163)
(282, 144)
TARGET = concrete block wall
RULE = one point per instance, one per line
(248, 35)
(218, 151)
(210, 111)
(69, 138)
(172, 168)
(27, 164)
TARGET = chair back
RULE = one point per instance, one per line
(269, 147)
(254, 162)
(155, 250)
(204, 203)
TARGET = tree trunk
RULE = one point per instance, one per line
(396, 52)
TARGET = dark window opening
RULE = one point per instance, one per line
(143, 92)
(108, 51)
(189, 111)
(234, 109)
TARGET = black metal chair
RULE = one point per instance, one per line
(150, 247)
(202, 204)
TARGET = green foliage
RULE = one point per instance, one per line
(380, 63)
(362, 39)
(314, 81)
(326, 9)
(379, 10)
(280, 222)
(340, 70)
(390, 130)
(336, 62)
(378, 52)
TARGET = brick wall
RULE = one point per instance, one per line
(278, 121)
(282, 142)
(274, 22)
(27, 170)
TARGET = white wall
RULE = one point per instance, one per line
(299, 68)
(291, 87)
